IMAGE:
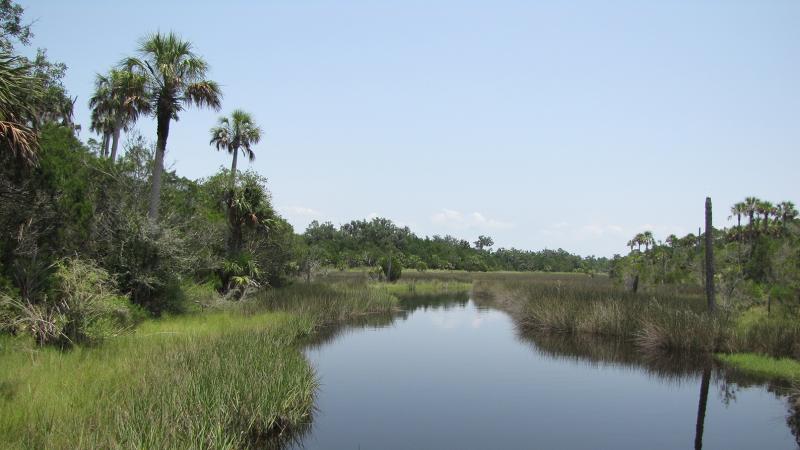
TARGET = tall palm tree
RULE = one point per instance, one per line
(118, 100)
(239, 132)
(174, 78)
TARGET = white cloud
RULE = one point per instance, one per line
(457, 220)
(582, 232)
(299, 211)
(598, 230)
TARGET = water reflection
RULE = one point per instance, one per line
(444, 373)
(701, 408)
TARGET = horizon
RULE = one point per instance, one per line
(556, 126)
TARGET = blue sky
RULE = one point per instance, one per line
(542, 124)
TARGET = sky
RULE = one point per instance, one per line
(546, 124)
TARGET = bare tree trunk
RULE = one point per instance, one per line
(712, 306)
(158, 165)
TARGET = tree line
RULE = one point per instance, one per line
(365, 243)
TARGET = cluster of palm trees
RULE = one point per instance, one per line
(759, 212)
(163, 79)
(646, 238)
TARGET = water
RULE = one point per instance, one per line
(458, 376)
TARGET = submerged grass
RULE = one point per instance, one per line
(224, 379)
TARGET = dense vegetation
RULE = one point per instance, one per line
(757, 262)
(363, 243)
(97, 236)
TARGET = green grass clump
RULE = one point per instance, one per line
(426, 287)
(765, 366)
(327, 303)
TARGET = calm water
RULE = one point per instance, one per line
(458, 376)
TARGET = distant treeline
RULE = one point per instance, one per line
(362, 243)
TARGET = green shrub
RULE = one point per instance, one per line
(396, 268)
(83, 307)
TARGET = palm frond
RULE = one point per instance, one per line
(204, 93)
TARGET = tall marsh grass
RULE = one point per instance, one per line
(661, 320)
(233, 378)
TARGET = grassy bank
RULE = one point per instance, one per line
(229, 378)
(763, 366)
(660, 320)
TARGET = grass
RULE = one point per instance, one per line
(763, 366)
(663, 319)
(224, 379)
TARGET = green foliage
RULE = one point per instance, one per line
(82, 307)
(757, 262)
(391, 268)
(362, 243)
(765, 366)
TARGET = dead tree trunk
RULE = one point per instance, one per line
(712, 306)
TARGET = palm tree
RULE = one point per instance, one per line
(765, 209)
(738, 210)
(239, 132)
(648, 240)
(119, 98)
(16, 86)
(787, 212)
(750, 205)
(636, 242)
(101, 124)
(174, 78)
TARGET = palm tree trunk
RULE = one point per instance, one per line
(158, 165)
(233, 167)
(235, 237)
(106, 142)
(115, 143)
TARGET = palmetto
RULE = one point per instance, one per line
(16, 135)
(239, 132)
(118, 100)
(174, 78)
